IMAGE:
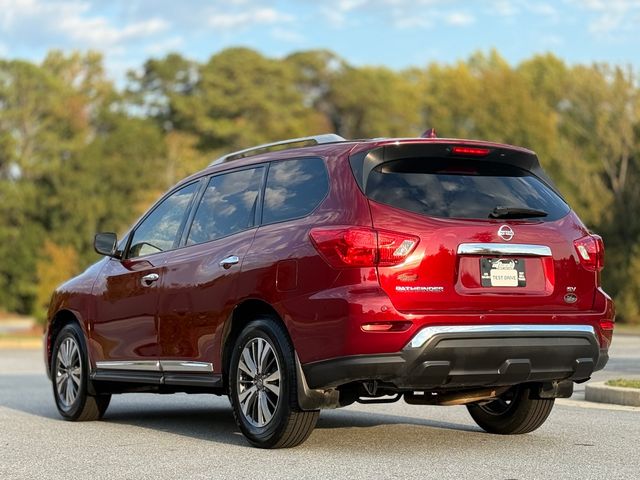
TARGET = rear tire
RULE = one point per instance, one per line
(263, 388)
(516, 412)
(70, 377)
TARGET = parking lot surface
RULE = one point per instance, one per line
(194, 436)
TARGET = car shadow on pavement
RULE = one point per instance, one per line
(201, 417)
(216, 423)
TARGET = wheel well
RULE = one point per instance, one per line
(243, 314)
(60, 320)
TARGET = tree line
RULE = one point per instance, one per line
(80, 154)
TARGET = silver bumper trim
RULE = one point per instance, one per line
(424, 335)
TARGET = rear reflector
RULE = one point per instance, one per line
(362, 247)
(470, 151)
(590, 251)
(386, 326)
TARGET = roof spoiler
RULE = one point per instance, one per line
(362, 163)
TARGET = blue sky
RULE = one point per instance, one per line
(396, 33)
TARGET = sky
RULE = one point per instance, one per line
(395, 33)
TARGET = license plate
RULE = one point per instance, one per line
(502, 272)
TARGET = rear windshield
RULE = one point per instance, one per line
(462, 189)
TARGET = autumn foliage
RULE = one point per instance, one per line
(80, 154)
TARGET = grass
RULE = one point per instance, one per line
(623, 382)
(627, 328)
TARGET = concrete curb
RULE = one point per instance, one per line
(601, 393)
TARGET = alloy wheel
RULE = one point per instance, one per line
(68, 372)
(258, 382)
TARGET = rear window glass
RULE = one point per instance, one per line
(461, 189)
(294, 189)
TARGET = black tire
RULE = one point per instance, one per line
(288, 425)
(81, 406)
(516, 412)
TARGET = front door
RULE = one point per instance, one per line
(124, 330)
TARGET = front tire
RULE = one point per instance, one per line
(263, 388)
(70, 377)
(516, 412)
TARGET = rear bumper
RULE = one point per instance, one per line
(464, 356)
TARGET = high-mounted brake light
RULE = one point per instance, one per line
(590, 252)
(362, 247)
(470, 151)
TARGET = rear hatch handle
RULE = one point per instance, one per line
(516, 249)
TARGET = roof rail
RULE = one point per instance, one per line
(281, 145)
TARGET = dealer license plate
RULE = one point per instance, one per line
(502, 272)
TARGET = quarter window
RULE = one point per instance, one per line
(159, 231)
(228, 206)
(294, 189)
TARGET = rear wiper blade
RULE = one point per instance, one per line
(516, 212)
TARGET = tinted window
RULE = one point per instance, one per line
(294, 189)
(228, 205)
(158, 232)
(442, 188)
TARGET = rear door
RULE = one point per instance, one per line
(200, 280)
(493, 237)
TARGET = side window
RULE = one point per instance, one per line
(294, 189)
(159, 230)
(228, 206)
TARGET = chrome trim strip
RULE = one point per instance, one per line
(427, 333)
(185, 366)
(504, 249)
(144, 365)
(157, 366)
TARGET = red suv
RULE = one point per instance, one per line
(318, 272)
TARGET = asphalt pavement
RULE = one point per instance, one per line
(151, 436)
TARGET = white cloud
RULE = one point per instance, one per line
(70, 21)
(411, 21)
(163, 46)
(248, 18)
(544, 9)
(98, 32)
(459, 19)
(612, 17)
(504, 8)
(287, 35)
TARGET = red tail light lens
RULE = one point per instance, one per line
(590, 252)
(362, 247)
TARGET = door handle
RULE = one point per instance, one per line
(228, 262)
(149, 279)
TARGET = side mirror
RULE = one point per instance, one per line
(106, 243)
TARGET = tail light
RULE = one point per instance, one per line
(362, 247)
(590, 252)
